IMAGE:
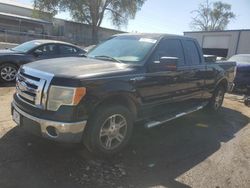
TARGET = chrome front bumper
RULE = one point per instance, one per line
(53, 130)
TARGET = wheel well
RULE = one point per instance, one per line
(121, 99)
(223, 83)
(12, 63)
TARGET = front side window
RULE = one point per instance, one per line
(65, 50)
(47, 50)
(130, 49)
(170, 48)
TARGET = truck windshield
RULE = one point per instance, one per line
(25, 47)
(129, 49)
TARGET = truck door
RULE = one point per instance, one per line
(160, 85)
(194, 69)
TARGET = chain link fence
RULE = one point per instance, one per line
(16, 37)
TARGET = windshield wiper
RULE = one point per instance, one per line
(107, 57)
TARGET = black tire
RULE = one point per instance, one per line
(247, 101)
(8, 72)
(217, 99)
(98, 143)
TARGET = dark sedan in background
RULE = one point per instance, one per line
(242, 79)
(12, 59)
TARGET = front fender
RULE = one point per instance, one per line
(99, 91)
(17, 60)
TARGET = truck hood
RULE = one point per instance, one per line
(78, 67)
(8, 52)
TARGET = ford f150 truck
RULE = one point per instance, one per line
(97, 99)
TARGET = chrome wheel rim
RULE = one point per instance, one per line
(218, 99)
(113, 131)
(8, 73)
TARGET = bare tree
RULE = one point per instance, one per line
(212, 17)
(92, 12)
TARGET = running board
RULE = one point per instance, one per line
(155, 123)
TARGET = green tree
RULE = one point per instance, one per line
(92, 12)
(212, 17)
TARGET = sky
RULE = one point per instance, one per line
(165, 16)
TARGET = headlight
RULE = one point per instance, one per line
(59, 96)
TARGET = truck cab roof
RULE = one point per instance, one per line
(156, 36)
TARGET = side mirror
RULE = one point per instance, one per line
(37, 53)
(82, 55)
(167, 63)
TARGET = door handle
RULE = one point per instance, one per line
(139, 78)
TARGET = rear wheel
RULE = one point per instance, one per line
(109, 130)
(8, 72)
(217, 99)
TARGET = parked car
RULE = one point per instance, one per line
(151, 78)
(11, 59)
(88, 48)
(242, 79)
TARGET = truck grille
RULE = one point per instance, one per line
(31, 87)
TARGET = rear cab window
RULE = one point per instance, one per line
(192, 55)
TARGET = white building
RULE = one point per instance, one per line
(223, 43)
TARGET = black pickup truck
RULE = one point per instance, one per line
(97, 99)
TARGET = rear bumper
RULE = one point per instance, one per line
(243, 88)
(53, 130)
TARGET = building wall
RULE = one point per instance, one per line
(22, 26)
(69, 31)
(244, 43)
(235, 41)
(15, 10)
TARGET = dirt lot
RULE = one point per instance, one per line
(199, 150)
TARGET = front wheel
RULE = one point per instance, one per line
(8, 72)
(108, 130)
(217, 99)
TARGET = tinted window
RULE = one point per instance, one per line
(47, 50)
(170, 48)
(191, 52)
(64, 49)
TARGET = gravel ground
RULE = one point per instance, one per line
(198, 150)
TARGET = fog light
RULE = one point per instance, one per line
(52, 131)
